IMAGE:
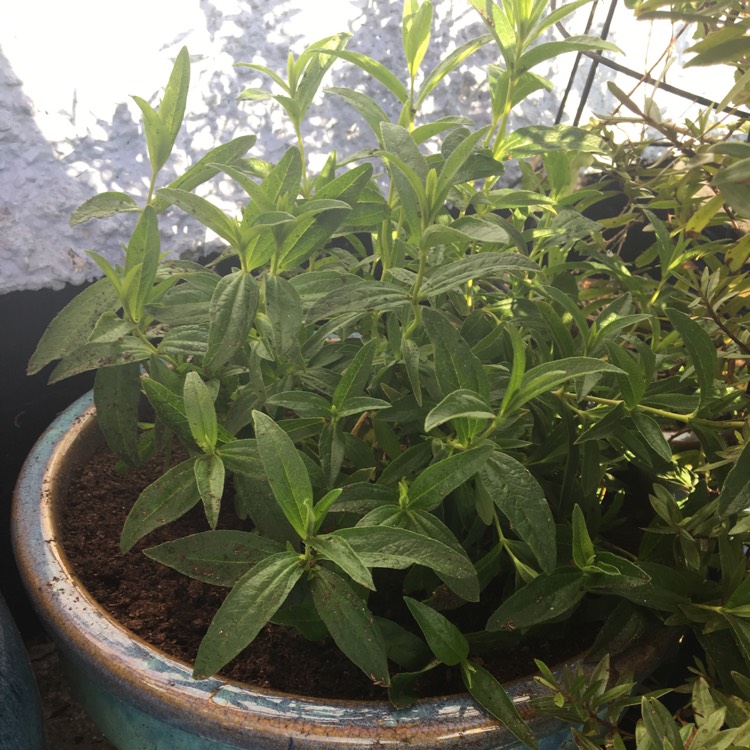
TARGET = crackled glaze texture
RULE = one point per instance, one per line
(142, 699)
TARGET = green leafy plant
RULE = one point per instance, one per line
(416, 376)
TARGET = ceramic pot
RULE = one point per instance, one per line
(141, 698)
(21, 725)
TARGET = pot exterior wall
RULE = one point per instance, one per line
(20, 713)
(141, 698)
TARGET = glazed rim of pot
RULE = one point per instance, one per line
(145, 677)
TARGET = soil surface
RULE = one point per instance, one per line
(173, 612)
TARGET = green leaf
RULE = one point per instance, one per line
(359, 404)
(209, 478)
(207, 166)
(583, 547)
(659, 724)
(95, 355)
(165, 500)
(204, 211)
(117, 393)
(286, 472)
(491, 695)
(200, 411)
(735, 492)
(519, 496)
(231, 316)
(339, 551)
(700, 349)
(157, 137)
(398, 548)
(479, 266)
(304, 403)
(652, 433)
(374, 69)
(460, 403)
(356, 376)
(410, 354)
(545, 598)
(364, 297)
(415, 26)
(444, 639)
(532, 140)
(351, 625)
(242, 457)
(547, 50)
(633, 383)
(543, 378)
(172, 106)
(73, 324)
(370, 110)
(220, 557)
(142, 258)
(103, 206)
(246, 610)
(429, 489)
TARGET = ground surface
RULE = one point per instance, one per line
(66, 725)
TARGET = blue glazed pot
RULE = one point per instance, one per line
(141, 698)
(21, 725)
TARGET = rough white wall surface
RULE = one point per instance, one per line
(68, 129)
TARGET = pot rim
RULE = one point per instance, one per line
(221, 708)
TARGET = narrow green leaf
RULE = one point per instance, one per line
(204, 211)
(285, 470)
(304, 403)
(117, 393)
(103, 206)
(351, 625)
(735, 492)
(547, 50)
(543, 378)
(545, 598)
(478, 266)
(491, 695)
(220, 557)
(156, 134)
(460, 403)
(374, 69)
(653, 435)
(167, 499)
(339, 551)
(231, 315)
(172, 106)
(519, 496)
(700, 348)
(93, 356)
(444, 639)
(207, 166)
(359, 404)
(242, 457)
(209, 478)
(200, 411)
(429, 489)
(356, 376)
(363, 298)
(246, 610)
(370, 110)
(410, 354)
(398, 548)
(416, 23)
(73, 324)
(583, 547)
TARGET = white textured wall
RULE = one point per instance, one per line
(68, 129)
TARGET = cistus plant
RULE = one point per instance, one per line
(416, 375)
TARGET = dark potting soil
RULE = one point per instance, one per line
(173, 612)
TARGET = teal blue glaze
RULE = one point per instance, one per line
(143, 700)
(21, 725)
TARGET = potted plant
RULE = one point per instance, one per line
(440, 418)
